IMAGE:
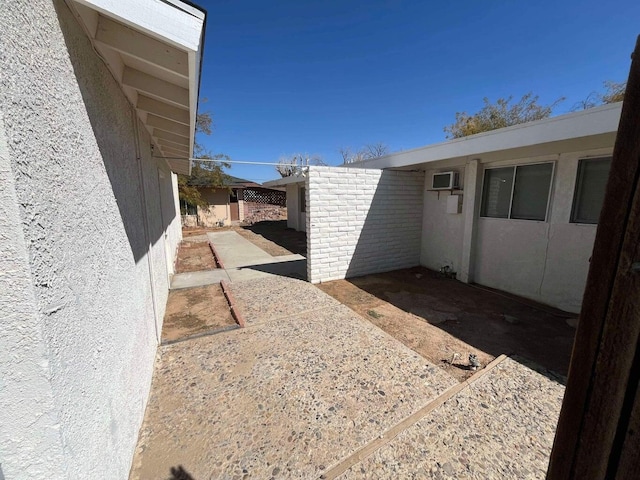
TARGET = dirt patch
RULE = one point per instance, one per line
(445, 320)
(191, 311)
(271, 236)
(194, 257)
(258, 240)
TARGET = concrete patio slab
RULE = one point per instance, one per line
(501, 426)
(198, 279)
(264, 299)
(236, 251)
(285, 398)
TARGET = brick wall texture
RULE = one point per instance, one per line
(362, 221)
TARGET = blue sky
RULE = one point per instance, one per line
(313, 76)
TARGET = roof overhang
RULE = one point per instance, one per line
(284, 181)
(589, 129)
(153, 48)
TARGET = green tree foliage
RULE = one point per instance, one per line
(502, 113)
(208, 171)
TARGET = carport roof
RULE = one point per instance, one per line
(154, 51)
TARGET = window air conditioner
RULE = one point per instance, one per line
(444, 181)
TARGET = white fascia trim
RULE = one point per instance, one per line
(281, 182)
(589, 122)
(170, 21)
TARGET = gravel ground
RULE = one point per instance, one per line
(500, 427)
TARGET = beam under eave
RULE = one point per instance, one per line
(167, 125)
(170, 152)
(172, 137)
(176, 146)
(155, 87)
(181, 166)
(131, 42)
(175, 151)
(161, 109)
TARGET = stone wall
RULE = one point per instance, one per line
(362, 221)
(259, 212)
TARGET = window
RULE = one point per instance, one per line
(303, 199)
(591, 183)
(188, 208)
(519, 192)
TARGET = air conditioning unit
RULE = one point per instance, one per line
(444, 181)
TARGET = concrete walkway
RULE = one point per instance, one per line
(309, 389)
(242, 261)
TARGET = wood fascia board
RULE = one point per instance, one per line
(178, 26)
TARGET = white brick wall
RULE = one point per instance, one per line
(362, 221)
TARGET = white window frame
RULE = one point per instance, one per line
(577, 187)
(513, 185)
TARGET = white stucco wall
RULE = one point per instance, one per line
(544, 261)
(362, 221)
(442, 232)
(90, 231)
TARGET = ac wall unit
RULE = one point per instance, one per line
(444, 181)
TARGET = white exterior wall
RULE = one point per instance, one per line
(89, 230)
(362, 221)
(544, 261)
(442, 232)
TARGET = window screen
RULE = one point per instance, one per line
(591, 183)
(526, 199)
(531, 192)
(496, 193)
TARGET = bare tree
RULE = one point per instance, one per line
(296, 163)
(613, 92)
(369, 151)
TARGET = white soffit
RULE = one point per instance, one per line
(153, 49)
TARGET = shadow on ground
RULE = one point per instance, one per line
(292, 269)
(277, 232)
(179, 473)
(490, 321)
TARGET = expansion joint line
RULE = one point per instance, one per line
(411, 420)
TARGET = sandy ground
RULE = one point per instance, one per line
(272, 236)
(193, 311)
(439, 317)
(194, 257)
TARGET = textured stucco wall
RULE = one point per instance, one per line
(442, 232)
(218, 207)
(544, 261)
(91, 240)
(362, 221)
